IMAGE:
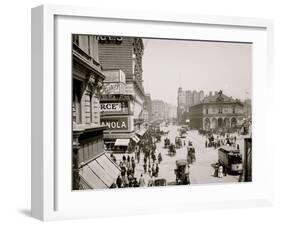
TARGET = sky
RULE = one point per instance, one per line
(196, 65)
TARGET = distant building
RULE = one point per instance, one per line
(148, 107)
(172, 112)
(160, 110)
(186, 99)
(217, 111)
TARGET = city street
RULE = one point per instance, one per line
(201, 171)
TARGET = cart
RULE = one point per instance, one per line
(182, 172)
(172, 150)
(166, 142)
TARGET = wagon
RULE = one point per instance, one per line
(182, 172)
(172, 149)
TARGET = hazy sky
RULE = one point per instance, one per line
(196, 65)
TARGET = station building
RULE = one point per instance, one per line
(217, 111)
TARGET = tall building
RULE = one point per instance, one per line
(148, 107)
(125, 53)
(186, 99)
(159, 110)
(87, 142)
(217, 111)
(121, 60)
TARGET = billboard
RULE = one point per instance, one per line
(116, 123)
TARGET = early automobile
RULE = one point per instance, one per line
(182, 172)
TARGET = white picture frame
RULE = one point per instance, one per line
(52, 197)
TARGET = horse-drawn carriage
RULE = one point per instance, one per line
(158, 137)
(178, 142)
(167, 142)
(182, 172)
(172, 149)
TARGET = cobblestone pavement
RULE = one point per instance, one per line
(201, 171)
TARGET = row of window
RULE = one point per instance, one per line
(92, 114)
(220, 110)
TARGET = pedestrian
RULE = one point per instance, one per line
(142, 181)
(216, 170)
(159, 158)
(144, 167)
(133, 164)
(124, 158)
(125, 182)
(238, 147)
(220, 171)
(149, 170)
(123, 171)
(184, 143)
(138, 156)
(156, 170)
(150, 182)
(128, 158)
(153, 170)
(153, 157)
(119, 181)
(206, 143)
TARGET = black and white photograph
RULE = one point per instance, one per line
(150, 112)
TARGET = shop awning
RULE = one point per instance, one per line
(135, 138)
(100, 172)
(122, 142)
(91, 178)
(141, 132)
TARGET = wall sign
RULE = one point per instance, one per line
(116, 123)
(109, 107)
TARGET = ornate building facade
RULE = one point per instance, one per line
(216, 111)
(88, 144)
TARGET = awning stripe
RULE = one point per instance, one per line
(91, 178)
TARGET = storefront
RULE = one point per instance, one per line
(117, 116)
